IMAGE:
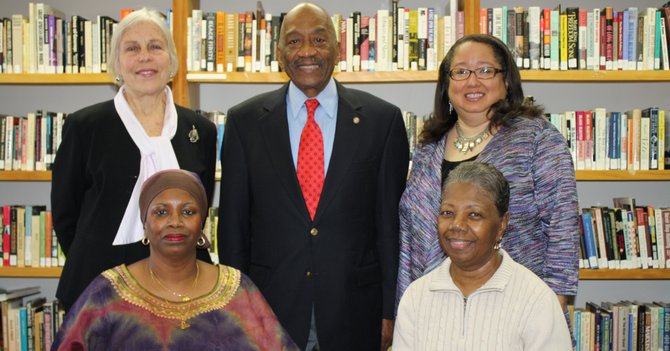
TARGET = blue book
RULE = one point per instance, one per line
(23, 328)
(578, 330)
(28, 241)
(589, 238)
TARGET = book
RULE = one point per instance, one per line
(6, 295)
(589, 238)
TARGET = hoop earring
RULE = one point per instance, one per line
(145, 241)
(201, 241)
(497, 245)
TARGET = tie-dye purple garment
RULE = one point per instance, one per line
(116, 313)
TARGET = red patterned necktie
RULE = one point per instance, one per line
(310, 159)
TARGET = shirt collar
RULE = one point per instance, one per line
(442, 279)
(327, 99)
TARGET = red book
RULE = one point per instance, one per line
(6, 234)
(343, 45)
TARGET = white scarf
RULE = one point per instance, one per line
(157, 154)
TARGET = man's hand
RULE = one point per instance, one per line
(387, 334)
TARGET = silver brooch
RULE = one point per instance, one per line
(193, 135)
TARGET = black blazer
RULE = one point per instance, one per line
(94, 173)
(345, 261)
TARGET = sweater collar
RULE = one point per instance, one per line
(442, 281)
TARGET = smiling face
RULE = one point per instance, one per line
(308, 48)
(469, 225)
(144, 60)
(173, 223)
(473, 97)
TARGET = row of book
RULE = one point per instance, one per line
(578, 38)
(29, 143)
(399, 39)
(624, 325)
(28, 238)
(46, 41)
(28, 323)
(599, 139)
(625, 236)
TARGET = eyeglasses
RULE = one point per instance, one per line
(481, 73)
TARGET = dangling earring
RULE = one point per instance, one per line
(171, 75)
(202, 241)
(497, 245)
(118, 78)
(451, 108)
(145, 241)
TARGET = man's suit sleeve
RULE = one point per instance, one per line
(233, 228)
(390, 185)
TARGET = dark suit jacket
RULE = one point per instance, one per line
(345, 261)
(94, 173)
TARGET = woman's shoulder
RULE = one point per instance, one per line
(93, 112)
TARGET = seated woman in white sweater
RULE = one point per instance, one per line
(478, 298)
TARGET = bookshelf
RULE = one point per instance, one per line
(413, 91)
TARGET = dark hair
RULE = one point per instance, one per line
(442, 120)
(484, 176)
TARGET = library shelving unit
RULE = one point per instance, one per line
(185, 88)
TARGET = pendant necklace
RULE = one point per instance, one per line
(182, 297)
(465, 144)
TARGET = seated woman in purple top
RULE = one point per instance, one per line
(171, 300)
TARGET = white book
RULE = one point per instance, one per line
(644, 143)
(41, 164)
(400, 22)
(406, 30)
(664, 46)
(95, 43)
(597, 58)
(448, 37)
(189, 44)
(196, 38)
(36, 37)
(600, 138)
(497, 23)
(534, 40)
(383, 40)
(254, 45)
(88, 44)
(350, 44)
(17, 43)
(623, 127)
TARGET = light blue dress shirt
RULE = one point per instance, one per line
(325, 116)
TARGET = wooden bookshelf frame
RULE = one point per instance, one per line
(54, 79)
(30, 272)
(664, 175)
(624, 274)
(584, 274)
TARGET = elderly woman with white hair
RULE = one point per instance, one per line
(108, 149)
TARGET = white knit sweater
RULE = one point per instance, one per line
(514, 310)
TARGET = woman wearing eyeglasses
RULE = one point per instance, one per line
(480, 114)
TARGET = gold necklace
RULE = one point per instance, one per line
(465, 144)
(183, 297)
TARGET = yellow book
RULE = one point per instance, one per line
(564, 41)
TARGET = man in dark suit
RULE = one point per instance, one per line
(325, 258)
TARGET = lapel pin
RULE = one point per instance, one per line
(357, 120)
(193, 136)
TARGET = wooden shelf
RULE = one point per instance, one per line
(342, 77)
(595, 76)
(55, 79)
(584, 274)
(624, 274)
(29, 176)
(30, 272)
(623, 175)
(632, 176)
(431, 76)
